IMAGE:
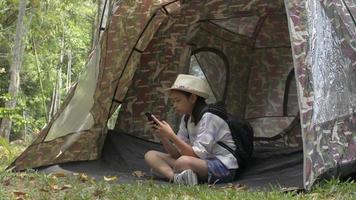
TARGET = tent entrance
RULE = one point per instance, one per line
(249, 66)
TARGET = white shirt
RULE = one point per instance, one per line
(204, 137)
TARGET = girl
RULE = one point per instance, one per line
(193, 153)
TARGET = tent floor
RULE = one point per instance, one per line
(123, 154)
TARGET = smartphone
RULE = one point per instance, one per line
(149, 116)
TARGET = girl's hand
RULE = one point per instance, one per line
(162, 128)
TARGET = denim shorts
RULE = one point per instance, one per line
(218, 172)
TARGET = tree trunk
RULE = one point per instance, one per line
(69, 71)
(40, 78)
(17, 55)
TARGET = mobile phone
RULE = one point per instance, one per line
(149, 116)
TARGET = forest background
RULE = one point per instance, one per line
(43, 48)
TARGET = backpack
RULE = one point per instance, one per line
(241, 131)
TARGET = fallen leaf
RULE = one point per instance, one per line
(98, 193)
(108, 178)
(75, 174)
(2, 70)
(19, 193)
(229, 185)
(54, 187)
(240, 187)
(83, 177)
(314, 194)
(22, 175)
(59, 174)
(234, 186)
(6, 182)
(138, 174)
(66, 187)
(289, 189)
(43, 190)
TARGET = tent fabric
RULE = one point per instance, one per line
(323, 43)
(270, 167)
(76, 116)
(116, 56)
(262, 45)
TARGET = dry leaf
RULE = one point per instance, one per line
(22, 175)
(289, 189)
(83, 177)
(43, 190)
(6, 182)
(98, 193)
(2, 70)
(138, 174)
(75, 174)
(59, 174)
(19, 193)
(108, 178)
(234, 186)
(66, 187)
(54, 187)
(240, 187)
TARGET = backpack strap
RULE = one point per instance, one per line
(186, 119)
(219, 110)
(227, 148)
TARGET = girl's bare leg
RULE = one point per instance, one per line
(162, 163)
(198, 165)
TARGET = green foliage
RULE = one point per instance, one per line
(6, 146)
(55, 27)
(9, 151)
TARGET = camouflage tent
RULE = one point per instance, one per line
(289, 67)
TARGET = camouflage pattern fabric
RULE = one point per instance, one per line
(268, 127)
(267, 82)
(63, 149)
(119, 44)
(237, 50)
(147, 43)
(289, 136)
(214, 70)
(280, 37)
(247, 27)
(330, 139)
(168, 54)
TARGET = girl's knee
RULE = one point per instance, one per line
(183, 162)
(151, 154)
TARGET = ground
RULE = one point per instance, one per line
(34, 185)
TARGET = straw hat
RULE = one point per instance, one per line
(191, 84)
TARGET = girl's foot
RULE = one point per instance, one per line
(186, 177)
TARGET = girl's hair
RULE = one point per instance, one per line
(198, 106)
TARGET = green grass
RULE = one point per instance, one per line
(33, 185)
